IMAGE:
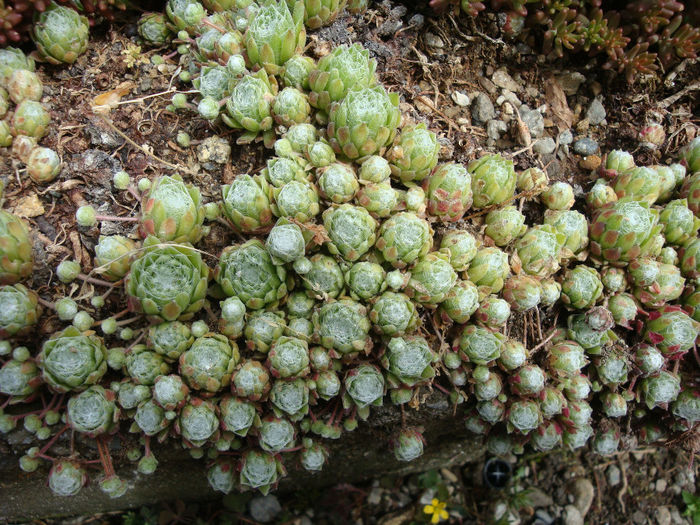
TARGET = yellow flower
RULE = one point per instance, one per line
(437, 509)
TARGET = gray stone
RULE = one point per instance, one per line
(639, 517)
(542, 518)
(214, 149)
(389, 27)
(566, 137)
(496, 128)
(503, 80)
(661, 485)
(375, 496)
(583, 492)
(534, 121)
(572, 516)
(570, 82)
(511, 97)
(482, 109)
(613, 475)
(676, 517)
(432, 40)
(662, 516)
(538, 498)
(416, 21)
(264, 508)
(596, 112)
(585, 146)
(544, 146)
(460, 98)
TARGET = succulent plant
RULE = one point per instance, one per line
(415, 154)
(540, 249)
(364, 122)
(325, 279)
(338, 183)
(408, 445)
(493, 180)
(351, 230)
(29, 119)
(522, 292)
(262, 329)
(614, 279)
(505, 225)
(246, 271)
(461, 246)
(403, 238)
(679, 222)
(374, 169)
(297, 70)
(19, 310)
(528, 380)
(380, 200)
(488, 270)
(461, 302)
(153, 29)
(493, 312)
(581, 287)
(296, 200)
(393, 314)
(600, 194)
(319, 13)
(524, 416)
(172, 211)
(559, 196)
(290, 398)
(344, 69)
(551, 292)
(574, 226)
(547, 436)
(432, 277)
(408, 361)
(479, 345)
(276, 434)
(281, 170)
(72, 361)
(249, 108)
(237, 415)
(533, 181)
(43, 165)
(288, 358)
(19, 380)
(364, 386)
(60, 34)
(170, 339)
(668, 286)
(145, 366)
(66, 478)
(12, 59)
(687, 406)
(170, 392)
(552, 402)
(313, 456)
(343, 325)
(213, 82)
(208, 363)
(691, 191)
(690, 259)
(660, 389)
(365, 280)
(640, 183)
(150, 418)
(285, 243)
(622, 231)
(167, 280)
(251, 381)
(197, 422)
(260, 470)
(92, 412)
(449, 192)
(671, 330)
(275, 34)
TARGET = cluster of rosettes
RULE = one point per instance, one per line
(24, 120)
(339, 292)
(633, 39)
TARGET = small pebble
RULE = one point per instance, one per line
(542, 518)
(662, 516)
(417, 20)
(544, 146)
(592, 162)
(613, 475)
(496, 128)
(566, 137)
(482, 109)
(661, 485)
(503, 80)
(264, 508)
(572, 516)
(596, 112)
(585, 146)
(460, 98)
(583, 492)
(534, 121)
(432, 40)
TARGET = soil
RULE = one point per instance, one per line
(432, 62)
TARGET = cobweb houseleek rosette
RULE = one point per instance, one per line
(172, 211)
(167, 281)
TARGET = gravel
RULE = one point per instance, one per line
(545, 146)
(534, 121)
(596, 112)
(585, 146)
(496, 128)
(613, 475)
(572, 516)
(482, 109)
(264, 509)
